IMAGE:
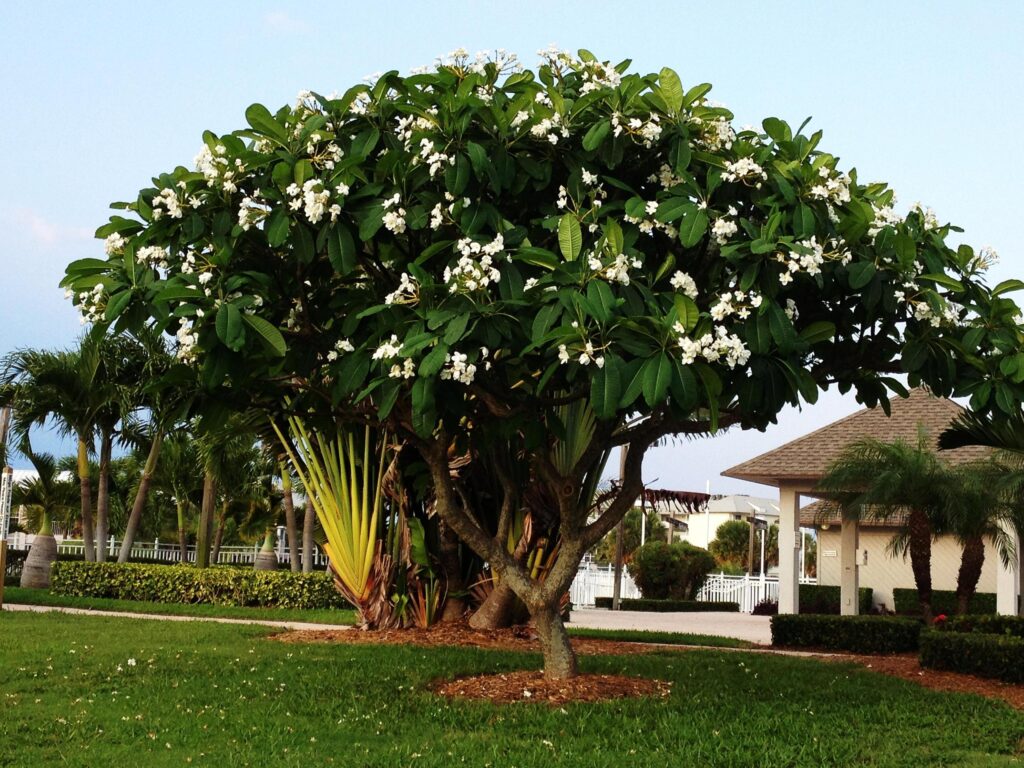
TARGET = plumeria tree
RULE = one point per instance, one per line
(543, 265)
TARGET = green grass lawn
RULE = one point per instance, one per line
(225, 695)
(663, 638)
(44, 597)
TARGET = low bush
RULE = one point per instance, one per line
(766, 608)
(943, 601)
(821, 599)
(975, 653)
(666, 606)
(670, 571)
(983, 625)
(857, 634)
(188, 584)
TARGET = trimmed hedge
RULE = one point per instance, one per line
(857, 634)
(983, 625)
(821, 599)
(943, 601)
(984, 655)
(666, 606)
(188, 584)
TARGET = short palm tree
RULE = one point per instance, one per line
(45, 498)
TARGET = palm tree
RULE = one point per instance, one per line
(880, 480)
(177, 479)
(44, 497)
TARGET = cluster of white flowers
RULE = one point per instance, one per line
(683, 282)
(475, 268)
(340, 347)
(928, 218)
(251, 211)
(723, 228)
(744, 169)
(154, 256)
(665, 177)
(646, 131)
(617, 270)
(217, 169)
(388, 349)
(713, 347)
(458, 59)
(835, 189)
(114, 244)
(549, 128)
(715, 134)
(735, 303)
(394, 215)
(808, 256)
(597, 75)
(91, 304)
(407, 292)
(884, 216)
(327, 157)
(167, 201)
(437, 213)
(407, 125)
(648, 225)
(406, 370)
(187, 338)
(434, 159)
(985, 258)
(313, 197)
(587, 355)
(456, 368)
(791, 311)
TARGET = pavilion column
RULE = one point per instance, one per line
(789, 549)
(1008, 578)
(849, 581)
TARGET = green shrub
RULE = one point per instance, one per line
(943, 601)
(666, 606)
(675, 571)
(983, 625)
(188, 584)
(857, 634)
(821, 599)
(985, 655)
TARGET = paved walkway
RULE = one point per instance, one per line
(743, 626)
(166, 617)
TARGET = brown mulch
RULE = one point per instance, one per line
(907, 667)
(513, 687)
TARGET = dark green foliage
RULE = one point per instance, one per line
(943, 601)
(666, 606)
(186, 584)
(986, 625)
(677, 571)
(998, 656)
(858, 634)
(821, 599)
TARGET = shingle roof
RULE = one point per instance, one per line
(825, 512)
(807, 458)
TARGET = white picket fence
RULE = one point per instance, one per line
(748, 591)
(168, 551)
(599, 581)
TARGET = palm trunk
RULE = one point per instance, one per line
(266, 559)
(218, 537)
(559, 657)
(141, 493)
(308, 522)
(103, 497)
(920, 530)
(971, 562)
(85, 484)
(205, 516)
(291, 528)
(35, 571)
(454, 606)
(182, 534)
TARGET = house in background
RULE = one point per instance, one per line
(852, 553)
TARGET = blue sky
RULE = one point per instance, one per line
(100, 97)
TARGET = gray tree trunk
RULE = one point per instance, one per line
(308, 522)
(291, 528)
(205, 519)
(145, 481)
(103, 498)
(35, 573)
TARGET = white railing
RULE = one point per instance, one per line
(599, 581)
(167, 551)
(746, 590)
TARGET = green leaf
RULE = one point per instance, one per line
(178, 293)
(673, 209)
(819, 331)
(303, 171)
(116, 304)
(302, 243)
(606, 388)
(942, 279)
(434, 361)
(539, 257)
(596, 135)
(1007, 286)
(570, 238)
(269, 335)
(686, 311)
(671, 90)
(341, 249)
(803, 221)
(230, 328)
(636, 207)
(277, 227)
(602, 300)
(543, 320)
(263, 122)
(693, 226)
(861, 273)
(456, 327)
(657, 375)
(777, 130)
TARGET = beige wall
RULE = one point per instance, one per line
(883, 572)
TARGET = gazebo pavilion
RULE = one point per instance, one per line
(796, 467)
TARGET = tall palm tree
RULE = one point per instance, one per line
(178, 479)
(45, 497)
(875, 479)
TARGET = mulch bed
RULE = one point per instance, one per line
(513, 687)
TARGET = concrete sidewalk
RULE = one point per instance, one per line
(742, 626)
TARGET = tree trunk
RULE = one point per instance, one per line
(103, 497)
(86, 488)
(496, 611)
(454, 604)
(559, 657)
(971, 562)
(35, 571)
(308, 521)
(141, 493)
(920, 530)
(266, 558)
(182, 534)
(205, 516)
(218, 538)
(291, 529)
